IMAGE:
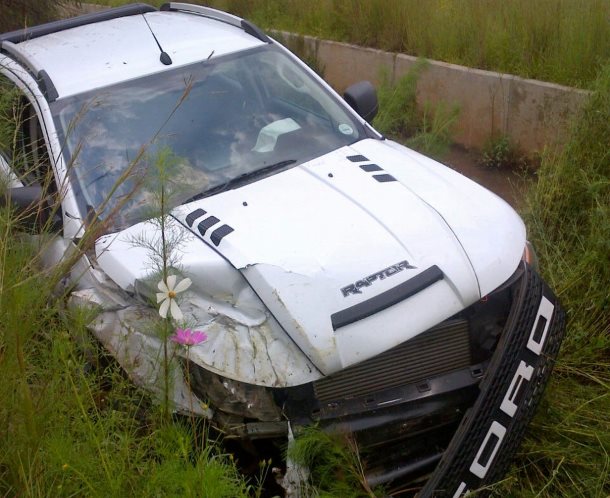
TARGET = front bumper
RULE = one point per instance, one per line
(456, 429)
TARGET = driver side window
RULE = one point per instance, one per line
(26, 157)
(22, 139)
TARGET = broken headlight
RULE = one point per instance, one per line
(529, 255)
(233, 397)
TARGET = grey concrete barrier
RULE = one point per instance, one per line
(532, 114)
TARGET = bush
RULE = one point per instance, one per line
(568, 216)
(16, 14)
(429, 130)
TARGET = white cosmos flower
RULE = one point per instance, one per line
(167, 296)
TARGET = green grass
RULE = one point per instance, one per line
(568, 216)
(70, 426)
(564, 41)
(20, 13)
(429, 131)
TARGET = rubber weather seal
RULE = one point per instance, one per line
(218, 15)
(22, 35)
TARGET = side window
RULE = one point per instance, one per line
(22, 139)
(9, 117)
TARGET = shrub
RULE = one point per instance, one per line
(16, 14)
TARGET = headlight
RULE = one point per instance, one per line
(231, 396)
(529, 255)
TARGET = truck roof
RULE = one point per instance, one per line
(100, 53)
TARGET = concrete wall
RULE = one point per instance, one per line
(533, 114)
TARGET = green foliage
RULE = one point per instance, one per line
(334, 463)
(428, 131)
(501, 153)
(436, 129)
(569, 211)
(72, 426)
(17, 14)
(568, 218)
(10, 112)
(397, 107)
(565, 41)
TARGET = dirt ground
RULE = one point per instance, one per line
(508, 184)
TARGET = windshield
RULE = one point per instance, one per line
(209, 124)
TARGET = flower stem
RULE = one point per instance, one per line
(168, 324)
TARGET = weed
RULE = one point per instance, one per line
(435, 131)
(334, 462)
(428, 131)
(501, 153)
(568, 216)
(565, 41)
(20, 13)
(397, 106)
(70, 424)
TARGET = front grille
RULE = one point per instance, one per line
(473, 441)
(439, 350)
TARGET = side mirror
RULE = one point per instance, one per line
(8, 177)
(32, 209)
(362, 98)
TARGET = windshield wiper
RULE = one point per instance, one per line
(240, 180)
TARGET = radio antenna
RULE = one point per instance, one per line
(164, 57)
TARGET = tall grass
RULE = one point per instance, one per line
(567, 451)
(16, 14)
(564, 41)
(71, 423)
(428, 131)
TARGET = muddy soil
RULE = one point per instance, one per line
(509, 184)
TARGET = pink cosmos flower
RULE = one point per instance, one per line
(188, 337)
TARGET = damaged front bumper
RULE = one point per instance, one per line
(491, 431)
(455, 427)
(440, 414)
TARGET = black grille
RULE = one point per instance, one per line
(453, 470)
(439, 350)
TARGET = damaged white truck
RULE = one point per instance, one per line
(341, 278)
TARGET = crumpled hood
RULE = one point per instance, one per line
(363, 248)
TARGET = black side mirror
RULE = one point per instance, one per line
(362, 98)
(31, 206)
